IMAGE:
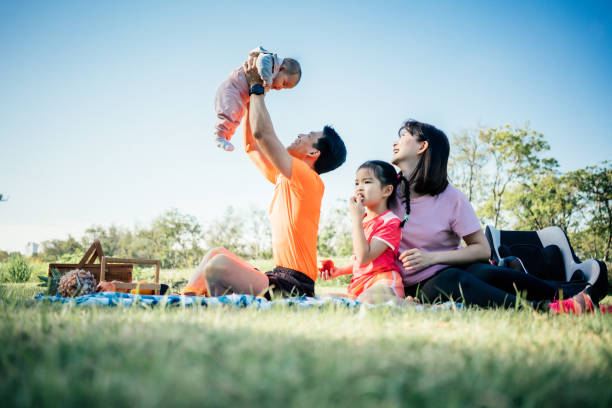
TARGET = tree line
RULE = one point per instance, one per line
(506, 173)
(513, 183)
(178, 240)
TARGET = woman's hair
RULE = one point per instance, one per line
(386, 174)
(430, 175)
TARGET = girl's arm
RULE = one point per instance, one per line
(364, 252)
(477, 250)
(328, 272)
(343, 270)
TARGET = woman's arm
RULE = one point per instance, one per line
(477, 250)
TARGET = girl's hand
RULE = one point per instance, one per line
(415, 259)
(356, 208)
(327, 270)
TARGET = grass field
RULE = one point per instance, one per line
(53, 355)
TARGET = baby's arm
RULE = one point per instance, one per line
(265, 67)
(256, 51)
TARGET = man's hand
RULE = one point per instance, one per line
(251, 73)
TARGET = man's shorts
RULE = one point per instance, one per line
(287, 282)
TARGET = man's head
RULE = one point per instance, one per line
(324, 150)
(289, 75)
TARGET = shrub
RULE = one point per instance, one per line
(17, 269)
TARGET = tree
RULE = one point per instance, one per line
(594, 184)
(227, 232)
(258, 235)
(57, 250)
(113, 240)
(467, 159)
(335, 232)
(515, 155)
(548, 199)
(3, 197)
(175, 239)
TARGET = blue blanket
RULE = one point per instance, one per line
(241, 301)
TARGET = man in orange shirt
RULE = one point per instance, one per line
(294, 211)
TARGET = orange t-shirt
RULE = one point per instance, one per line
(294, 211)
(294, 215)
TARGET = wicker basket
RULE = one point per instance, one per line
(111, 269)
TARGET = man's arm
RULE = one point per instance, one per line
(257, 157)
(261, 126)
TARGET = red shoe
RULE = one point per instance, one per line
(605, 309)
(576, 305)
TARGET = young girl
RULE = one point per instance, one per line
(233, 94)
(376, 236)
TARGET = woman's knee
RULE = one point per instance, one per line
(451, 275)
(451, 282)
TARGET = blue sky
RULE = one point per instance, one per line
(106, 108)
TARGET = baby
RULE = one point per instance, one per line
(233, 94)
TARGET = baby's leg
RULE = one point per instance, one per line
(224, 144)
(230, 109)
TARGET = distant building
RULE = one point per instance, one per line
(31, 249)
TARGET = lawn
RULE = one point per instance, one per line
(56, 355)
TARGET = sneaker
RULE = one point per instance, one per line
(224, 144)
(576, 305)
(193, 291)
(605, 309)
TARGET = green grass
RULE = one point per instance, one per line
(54, 355)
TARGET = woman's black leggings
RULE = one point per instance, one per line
(487, 285)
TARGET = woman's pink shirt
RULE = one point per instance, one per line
(435, 224)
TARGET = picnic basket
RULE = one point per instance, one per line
(111, 269)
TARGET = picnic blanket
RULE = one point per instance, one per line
(240, 301)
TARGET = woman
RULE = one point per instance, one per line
(436, 216)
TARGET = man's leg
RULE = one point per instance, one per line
(197, 284)
(226, 273)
